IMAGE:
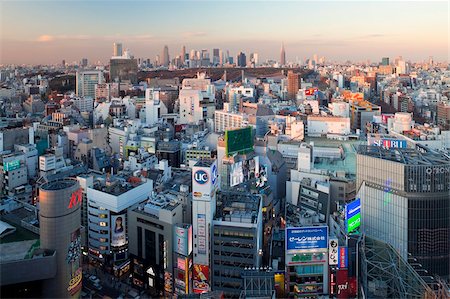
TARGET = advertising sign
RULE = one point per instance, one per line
(204, 180)
(353, 215)
(181, 263)
(181, 240)
(342, 283)
(11, 165)
(387, 142)
(306, 258)
(76, 198)
(73, 258)
(201, 233)
(306, 238)
(168, 285)
(333, 251)
(343, 257)
(200, 278)
(118, 230)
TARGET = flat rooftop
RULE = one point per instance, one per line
(407, 156)
(14, 251)
(237, 207)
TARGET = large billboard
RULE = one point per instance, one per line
(182, 240)
(238, 141)
(378, 140)
(200, 278)
(201, 233)
(11, 165)
(353, 215)
(118, 232)
(306, 238)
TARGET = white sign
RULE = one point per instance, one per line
(333, 251)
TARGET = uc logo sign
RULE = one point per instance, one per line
(214, 174)
(201, 177)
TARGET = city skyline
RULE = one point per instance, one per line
(374, 30)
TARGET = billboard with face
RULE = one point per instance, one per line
(118, 231)
(200, 278)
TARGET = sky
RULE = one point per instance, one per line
(45, 32)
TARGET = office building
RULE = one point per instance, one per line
(236, 240)
(117, 49)
(86, 81)
(60, 223)
(241, 60)
(293, 84)
(385, 61)
(123, 69)
(282, 55)
(405, 202)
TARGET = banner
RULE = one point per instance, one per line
(200, 278)
(118, 230)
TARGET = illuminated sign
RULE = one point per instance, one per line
(11, 165)
(183, 240)
(214, 174)
(201, 177)
(76, 198)
(201, 233)
(343, 257)
(118, 234)
(353, 215)
(305, 238)
(390, 143)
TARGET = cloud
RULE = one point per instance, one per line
(195, 34)
(45, 38)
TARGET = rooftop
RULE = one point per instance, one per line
(237, 207)
(406, 156)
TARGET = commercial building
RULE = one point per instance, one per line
(361, 113)
(59, 224)
(117, 49)
(151, 227)
(408, 190)
(328, 125)
(108, 201)
(237, 240)
(86, 81)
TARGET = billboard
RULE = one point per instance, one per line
(201, 233)
(118, 230)
(238, 141)
(168, 285)
(236, 174)
(333, 251)
(353, 215)
(204, 181)
(73, 259)
(182, 243)
(200, 278)
(387, 142)
(311, 91)
(306, 238)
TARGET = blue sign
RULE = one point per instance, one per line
(353, 208)
(304, 238)
(201, 177)
(343, 257)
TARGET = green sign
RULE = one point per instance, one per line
(15, 164)
(354, 222)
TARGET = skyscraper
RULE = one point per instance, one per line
(282, 55)
(183, 55)
(241, 59)
(165, 56)
(385, 61)
(293, 84)
(117, 49)
(216, 58)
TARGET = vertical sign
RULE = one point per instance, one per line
(333, 251)
(343, 257)
(201, 233)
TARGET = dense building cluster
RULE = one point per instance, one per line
(289, 185)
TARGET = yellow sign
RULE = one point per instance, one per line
(75, 282)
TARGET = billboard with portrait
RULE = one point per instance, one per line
(182, 240)
(118, 231)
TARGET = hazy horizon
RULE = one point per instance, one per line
(45, 32)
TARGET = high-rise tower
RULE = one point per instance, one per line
(282, 55)
(165, 56)
(117, 49)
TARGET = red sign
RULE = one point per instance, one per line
(76, 198)
(342, 284)
(201, 279)
(310, 91)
